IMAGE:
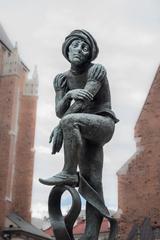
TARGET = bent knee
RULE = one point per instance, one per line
(109, 130)
(69, 120)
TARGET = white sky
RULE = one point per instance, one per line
(128, 36)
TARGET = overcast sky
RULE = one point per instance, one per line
(128, 36)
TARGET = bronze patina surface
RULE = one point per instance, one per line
(87, 122)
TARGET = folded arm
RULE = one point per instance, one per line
(82, 97)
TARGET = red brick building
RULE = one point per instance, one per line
(139, 178)
(79, 229)
(18, 103)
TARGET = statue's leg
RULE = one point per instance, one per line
(93, 174)
(91, 132)
(79, 128)
(73, 143)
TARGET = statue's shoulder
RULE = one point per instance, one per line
(97, 66)
(97, 72)
(60, 81)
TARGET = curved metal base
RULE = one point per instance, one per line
(63, 226)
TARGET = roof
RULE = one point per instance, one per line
(25, 227)
(4, 39)
(148, 98)
(123, 170)
(7, 43)
(79, 228)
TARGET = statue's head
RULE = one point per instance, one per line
(80, 47)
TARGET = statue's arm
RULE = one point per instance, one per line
(76, 107)
(62, 99)
(64, 96)
(96, 76)
(62, 103)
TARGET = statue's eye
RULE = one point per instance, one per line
(85, 49)
(75, 44)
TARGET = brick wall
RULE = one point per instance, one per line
(1, 58)
(7, 104)
(25, 157)
(139, 178)
(17, 130)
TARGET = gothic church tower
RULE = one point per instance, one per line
(18, 103)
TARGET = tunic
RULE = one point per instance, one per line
(98, 86)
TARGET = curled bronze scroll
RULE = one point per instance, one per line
(91, 196)
(62, 226)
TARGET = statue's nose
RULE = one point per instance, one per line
(79, 49)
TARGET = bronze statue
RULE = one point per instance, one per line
(87, 122)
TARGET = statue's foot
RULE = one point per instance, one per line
(61, 179)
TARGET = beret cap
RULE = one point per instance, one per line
(83, 35)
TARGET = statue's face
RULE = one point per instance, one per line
(78, 52)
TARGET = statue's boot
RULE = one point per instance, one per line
(61, 178)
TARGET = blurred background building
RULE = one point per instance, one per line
(139, 177)
(18, 104)
(79, 228)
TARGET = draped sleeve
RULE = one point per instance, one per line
(60, 83)
(96, 77)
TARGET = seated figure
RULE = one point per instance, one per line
(87, 122)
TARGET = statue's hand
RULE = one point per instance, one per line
(80, 94)
(59, 81)
(57, 138)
